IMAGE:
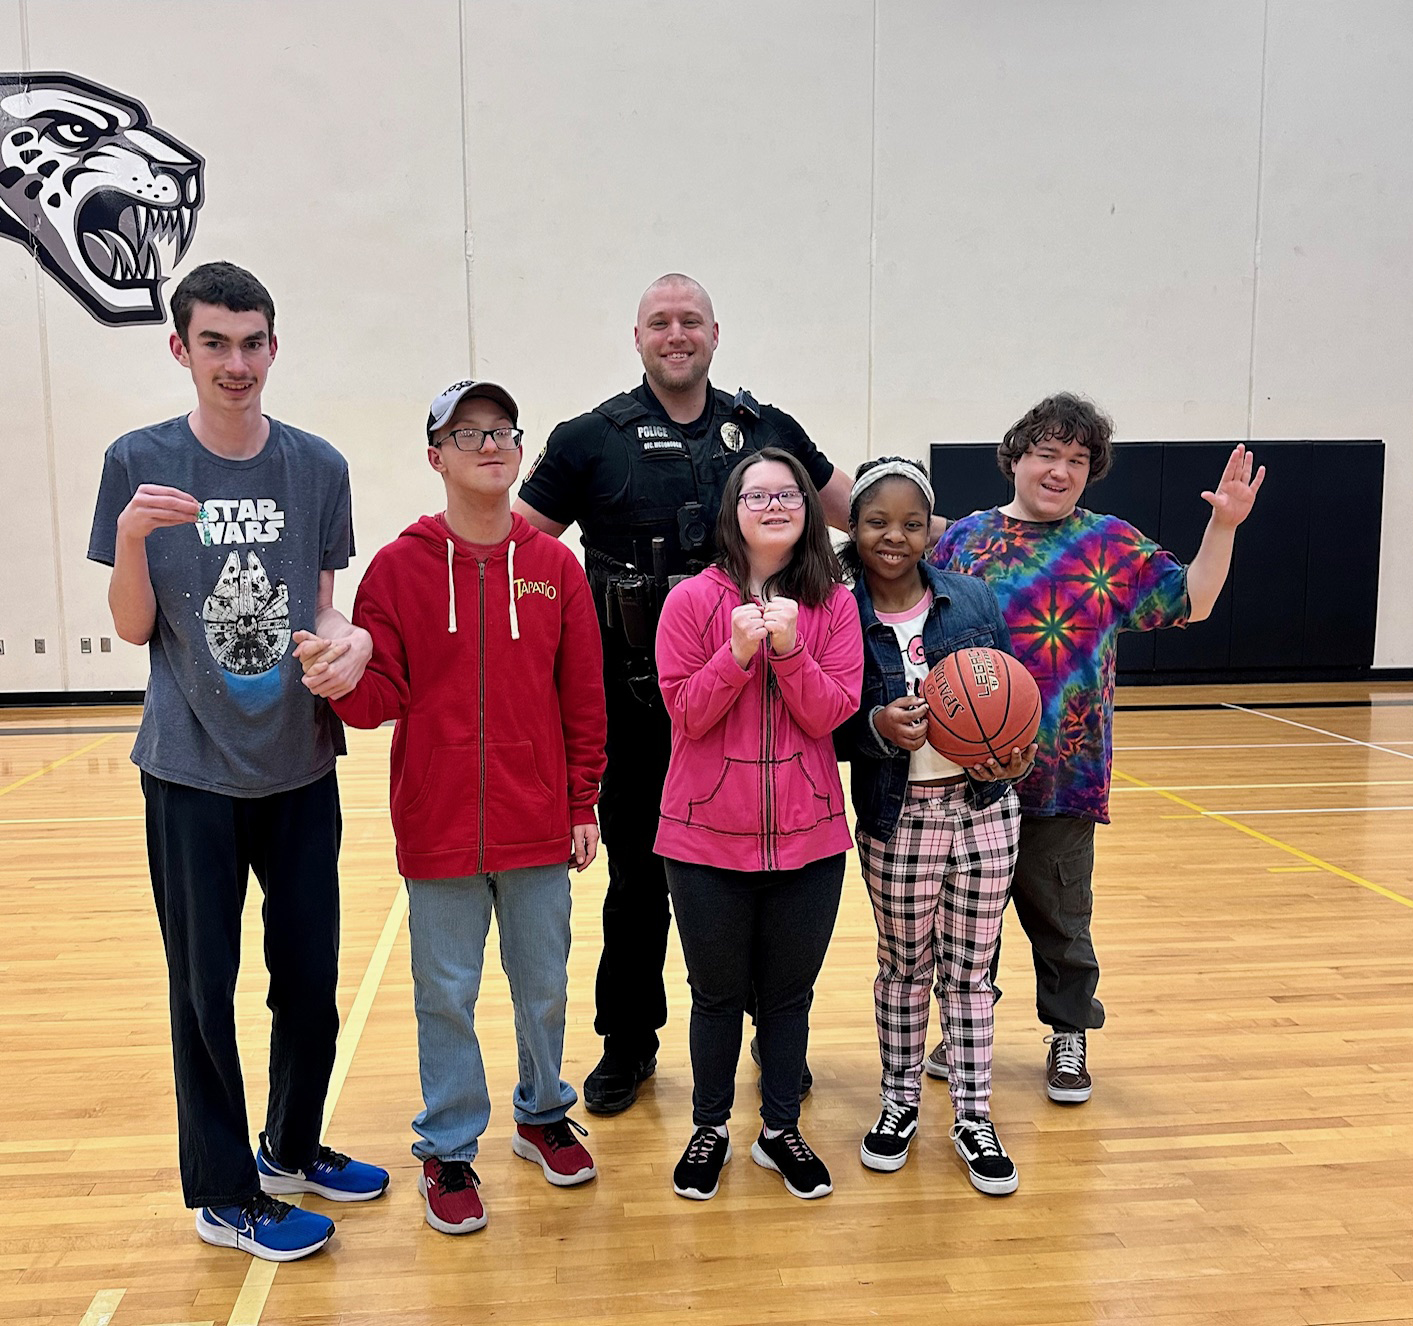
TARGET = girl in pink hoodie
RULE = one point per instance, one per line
(760, 658)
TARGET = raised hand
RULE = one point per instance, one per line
(156, 507)
(748, 629)
(1235, 495)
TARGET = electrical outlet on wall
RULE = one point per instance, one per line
(105, 644)
(39, 646)
(85, 645)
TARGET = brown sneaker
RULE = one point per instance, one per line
(1066, 1078)
(935, 1065)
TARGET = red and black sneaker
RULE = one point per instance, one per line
(555, 1149)
(453, 1204)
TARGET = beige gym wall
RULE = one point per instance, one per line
(915, 218)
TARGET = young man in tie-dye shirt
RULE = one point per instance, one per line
(1069, 581)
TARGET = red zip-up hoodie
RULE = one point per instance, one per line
(489, 660)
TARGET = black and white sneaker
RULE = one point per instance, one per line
(1067, 1078)
(992, 1170)
(935, 1065)
(789, 1155)
(885, 1145)
(698, 1173)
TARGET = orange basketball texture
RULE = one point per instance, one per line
(980, 702)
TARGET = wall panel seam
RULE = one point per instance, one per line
(468, 232)
(61, 644)
(872, 233)
(1256, 238)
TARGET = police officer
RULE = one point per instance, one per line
(642, 475)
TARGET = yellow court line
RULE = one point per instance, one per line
(1268, 840)
(49, 768)
(250, 1303)
(105, 1304)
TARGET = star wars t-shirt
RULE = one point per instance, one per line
(226, 709)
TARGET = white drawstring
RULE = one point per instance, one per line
(450, 589)
(510, 571)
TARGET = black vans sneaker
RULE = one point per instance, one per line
(992, 1170)
(885, 1146)
(698, 1173)
(789, 1155)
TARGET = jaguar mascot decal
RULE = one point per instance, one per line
(106, 202)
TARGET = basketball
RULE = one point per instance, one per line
(980, 702)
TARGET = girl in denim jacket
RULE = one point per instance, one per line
(937, 842)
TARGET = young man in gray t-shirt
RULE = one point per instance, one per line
(224, 529)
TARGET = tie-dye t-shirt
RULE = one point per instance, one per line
(1067, 589)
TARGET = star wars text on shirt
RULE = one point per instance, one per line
(239, 520)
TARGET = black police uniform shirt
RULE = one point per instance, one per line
(625, 472)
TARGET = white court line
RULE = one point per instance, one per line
(1315, 810)
(1241, 787)
(1258, 745)
(1324, 732)
(261, 1276)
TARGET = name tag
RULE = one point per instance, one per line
(655, 438)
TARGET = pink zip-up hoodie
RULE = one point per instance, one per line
(753, 783)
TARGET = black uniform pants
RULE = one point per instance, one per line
(201, 847)
(630, 998)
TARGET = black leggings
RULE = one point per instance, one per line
(745, 930)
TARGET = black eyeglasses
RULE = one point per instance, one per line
(473, 439)
(790, 499)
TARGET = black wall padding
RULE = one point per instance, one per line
(1303, 591)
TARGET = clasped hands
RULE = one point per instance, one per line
(753, 622)
(333, 667)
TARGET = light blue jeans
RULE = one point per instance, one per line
(449, 920)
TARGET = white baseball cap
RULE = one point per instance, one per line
(445, 405)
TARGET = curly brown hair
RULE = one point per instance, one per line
(1063, 417)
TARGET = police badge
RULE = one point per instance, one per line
(730, 436)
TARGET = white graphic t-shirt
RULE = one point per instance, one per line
(226, 709)
(926, 764)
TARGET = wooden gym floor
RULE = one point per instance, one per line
(1247, 1156)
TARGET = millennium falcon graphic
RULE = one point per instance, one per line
(247, 618)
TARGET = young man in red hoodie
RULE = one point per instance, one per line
(486, 653)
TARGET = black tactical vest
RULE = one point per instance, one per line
(674, 484)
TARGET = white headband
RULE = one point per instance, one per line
(890, 469)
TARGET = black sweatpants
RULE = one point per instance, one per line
(201, 847)
(766, 931)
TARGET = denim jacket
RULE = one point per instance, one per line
(964, 614)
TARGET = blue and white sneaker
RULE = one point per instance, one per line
(274, 1231)
(332, 1175)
